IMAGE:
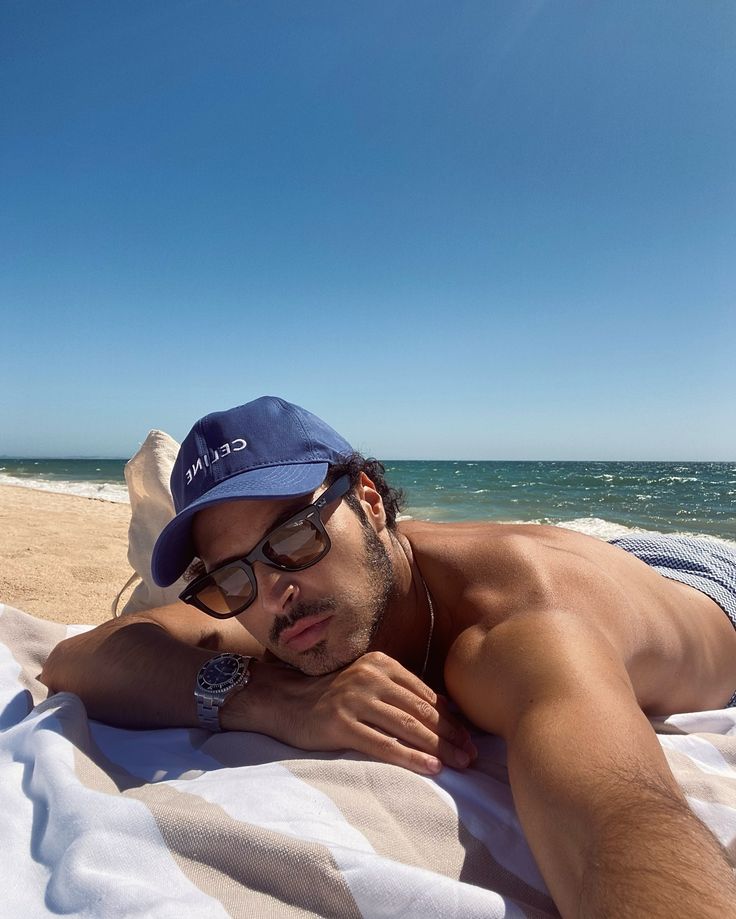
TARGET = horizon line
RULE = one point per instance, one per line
(120, 459)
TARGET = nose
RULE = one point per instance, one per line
(277, 589)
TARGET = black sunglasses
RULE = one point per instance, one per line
(296, 544)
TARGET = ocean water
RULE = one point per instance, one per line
(89, 478)
(606, 499)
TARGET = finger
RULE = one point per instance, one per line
(388, 749)
(385, 679)
(382, 665)
(404, 727)
(437, 718)
(449, 725)
(408, 680)
(458, 721)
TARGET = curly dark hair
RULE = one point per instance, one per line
(353, 465)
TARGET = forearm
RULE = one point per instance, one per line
(656, 860)
(135, 675)
(608, 825)
(600, 808)
(139, 675)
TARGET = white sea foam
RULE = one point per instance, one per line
(102, 491)
(592, 526)
(597, 526)
(606, 529)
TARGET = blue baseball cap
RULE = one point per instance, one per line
(268, 448)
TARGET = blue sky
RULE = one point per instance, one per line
(455, 230)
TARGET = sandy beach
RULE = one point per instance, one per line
(62, 557)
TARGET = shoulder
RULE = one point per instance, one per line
(486, 573)
(523, 608)
(542, 659)
(483, 571)
(508, 546)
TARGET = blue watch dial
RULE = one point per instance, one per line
(222, 672)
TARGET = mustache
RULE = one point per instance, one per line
(300, 611)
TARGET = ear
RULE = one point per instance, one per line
(372, 502)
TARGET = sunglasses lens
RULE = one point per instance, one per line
(296, 545)
(226, 591)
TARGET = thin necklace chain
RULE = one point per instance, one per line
(431, 624)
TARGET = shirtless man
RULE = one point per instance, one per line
(342, 630)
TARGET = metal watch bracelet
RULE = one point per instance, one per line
(209, 703)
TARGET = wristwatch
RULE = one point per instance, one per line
(217, 680)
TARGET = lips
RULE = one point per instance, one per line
(306, 632)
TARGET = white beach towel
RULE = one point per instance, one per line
(101, 821)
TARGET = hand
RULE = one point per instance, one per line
(374, 706)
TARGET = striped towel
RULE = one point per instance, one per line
(101, 821)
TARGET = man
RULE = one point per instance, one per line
(359, 626)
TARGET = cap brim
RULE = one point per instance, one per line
(174, 548)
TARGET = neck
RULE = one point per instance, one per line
(407, 626)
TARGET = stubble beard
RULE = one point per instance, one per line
(360, 628)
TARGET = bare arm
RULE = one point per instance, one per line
(140, 671)
(608, 825)
(133, 671)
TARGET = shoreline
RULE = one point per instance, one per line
(113, 492)
(62, 557)
(602, 499)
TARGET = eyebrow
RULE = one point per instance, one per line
(294, 507)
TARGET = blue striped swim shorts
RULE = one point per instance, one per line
(706, 565)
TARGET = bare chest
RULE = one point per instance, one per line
(678, 646)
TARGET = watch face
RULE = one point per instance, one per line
(222, 672)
